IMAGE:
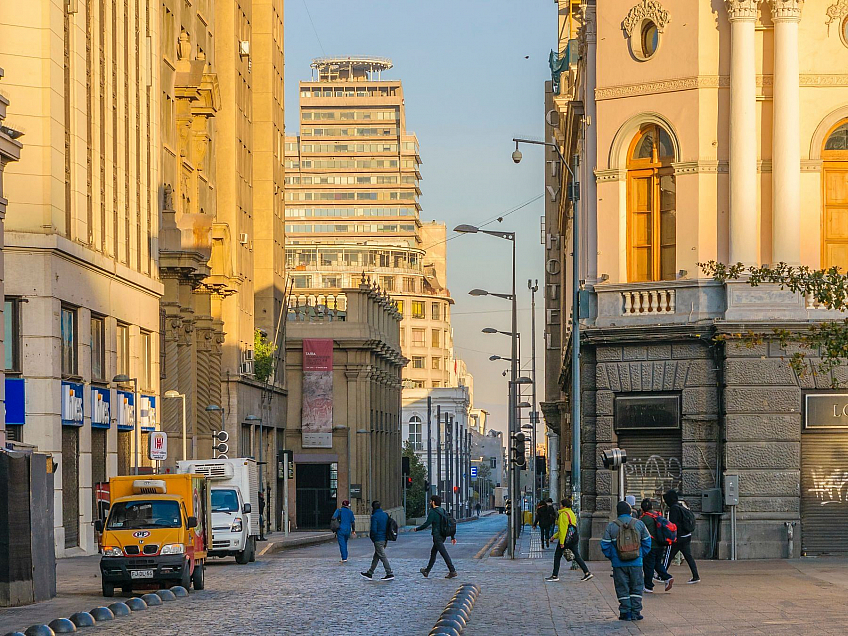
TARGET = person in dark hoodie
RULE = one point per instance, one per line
(655, 558)
(627, 573)
(685, 521)
(379, 528)
(437, 522)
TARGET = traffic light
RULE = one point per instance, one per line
(456, 488)
(409, 482)
(404, 465)
(220, 445)
(518, 450)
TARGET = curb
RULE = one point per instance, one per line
(455, 616)
(296, 542)
(80, 620)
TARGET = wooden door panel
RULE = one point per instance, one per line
(836, 223)
(836, 254)
(836, 186)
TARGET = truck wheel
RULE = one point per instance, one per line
(108, 589)
(252, 549)
(197, 576)
(185, 580)
(244, 556)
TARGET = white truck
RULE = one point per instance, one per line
(500, 498)
(234, 486)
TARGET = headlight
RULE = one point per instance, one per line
(236, 525)
(112, 552)
(173, 548)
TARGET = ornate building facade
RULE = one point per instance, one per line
(705, 132)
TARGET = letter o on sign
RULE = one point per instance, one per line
(553, 267)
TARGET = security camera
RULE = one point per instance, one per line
(516, 156)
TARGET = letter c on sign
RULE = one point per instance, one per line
(549, 117)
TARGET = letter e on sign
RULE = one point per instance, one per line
(158, 447)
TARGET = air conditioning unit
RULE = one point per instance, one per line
(246, 368)
(248, 355)
(244, 48)
(243, 239)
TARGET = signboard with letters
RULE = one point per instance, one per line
(158, 447)
(125, 411)
(101, 411)
(826, 410)
(473, 472)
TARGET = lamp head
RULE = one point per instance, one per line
(523, 405)
(516, 155)
(478, 292)
(213, 408)
(493, 358)
(490, 330)
(252, 418)
(173, 394)
(524, 380)
(466, 229)
(121, 378)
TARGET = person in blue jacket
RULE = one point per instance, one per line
(379, 527)
(347, 527)
(628, 576)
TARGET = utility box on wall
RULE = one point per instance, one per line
(27, 551)
(711, 501)
(731, 490)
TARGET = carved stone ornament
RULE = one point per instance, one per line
(837, 12)
(741, 9)
(786, 9)
(647, 9)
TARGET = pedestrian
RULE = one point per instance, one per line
(625, 542)
(346, 529)
(544, 521)
(631, 499)
(438, 522)
(685, 521)
(568, 539)
(379, 525)
(655, 559)
(552, 513)
(477, 508)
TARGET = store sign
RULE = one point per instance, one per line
(15, 401)
(826, 410)
(72, 413)
(158, 446)
(147, 412)
(125, 411)
(101, 412)
(647, 412)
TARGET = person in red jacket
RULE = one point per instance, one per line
(654, 559)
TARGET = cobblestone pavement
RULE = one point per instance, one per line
(306, 591)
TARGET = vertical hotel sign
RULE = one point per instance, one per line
(317, 416)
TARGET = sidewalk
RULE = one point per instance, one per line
(277, 541)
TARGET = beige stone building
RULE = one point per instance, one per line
(360, 456)
(705, 131)
(82, 289)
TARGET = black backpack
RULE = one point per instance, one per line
(391, 529)
(687, 521)
(448, 525)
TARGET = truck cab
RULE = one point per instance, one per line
(155, 533)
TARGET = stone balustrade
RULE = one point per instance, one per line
(646, 301)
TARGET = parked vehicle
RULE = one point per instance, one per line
(500, 498)
(234, 485)
(156, 532)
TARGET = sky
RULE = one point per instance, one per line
(473, 74)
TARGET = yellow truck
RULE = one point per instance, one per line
(157, 532)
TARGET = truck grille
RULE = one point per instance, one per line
(131, 549)
(151, 549)
(220, 545)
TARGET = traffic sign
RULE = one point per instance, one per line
(473, 472)
(158, 446)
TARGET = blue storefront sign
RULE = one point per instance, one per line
(101, 411)
(147, 413)
(15, 401)
(125, 410)
(72, 411)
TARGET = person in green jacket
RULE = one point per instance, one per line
(437, 521)
(567, 519)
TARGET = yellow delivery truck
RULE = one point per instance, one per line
(157, 532)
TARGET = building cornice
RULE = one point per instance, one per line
(709, 81)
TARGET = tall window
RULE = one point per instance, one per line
(400, 306)
(415, 432)
(98, 358)
(651, 207)
(437, 338)
(418, 362)
(417, 309)
(123, 350)
(69, 341)
(835, 192)
(146, 360)
(436, 311)
(12, 334)
(387, 283)
(417, 337)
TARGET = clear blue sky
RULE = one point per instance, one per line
(469, 89)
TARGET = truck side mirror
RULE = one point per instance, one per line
(191, 522)
(98, 525)
(246, 508)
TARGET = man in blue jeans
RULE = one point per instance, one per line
(379, 526)
(347, 527)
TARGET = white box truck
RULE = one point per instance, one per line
(234, 487)
(500, 498)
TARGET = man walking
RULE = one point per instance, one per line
(379, 525)
(567, 539)
(347, 527)
(625, 542)
(654, 560)
(685, 521)
(437, 520)
(544, 521)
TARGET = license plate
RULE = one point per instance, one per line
(141, 574)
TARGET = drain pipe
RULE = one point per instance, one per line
(790, 538)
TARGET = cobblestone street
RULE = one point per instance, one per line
(306, 591)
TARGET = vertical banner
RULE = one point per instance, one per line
(317, 416)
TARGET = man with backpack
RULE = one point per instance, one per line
(380, 530)
(663, 534)
(684, 519)
(625, 542)
(442, 526)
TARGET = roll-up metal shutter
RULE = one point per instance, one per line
(70, 485)
(824, 492)
(653, 462)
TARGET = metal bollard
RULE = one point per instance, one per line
(790, 537)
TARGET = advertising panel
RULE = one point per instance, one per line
(317, 415)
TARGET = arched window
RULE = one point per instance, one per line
(415, 432)
(651, 207)
(835, 194)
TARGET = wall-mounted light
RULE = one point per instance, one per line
(604, 278)
(682, 273)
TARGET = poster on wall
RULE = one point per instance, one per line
(317, 415)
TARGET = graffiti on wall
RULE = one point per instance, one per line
(830, 488)
(650, 477)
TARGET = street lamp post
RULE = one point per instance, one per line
(211, 408)
(534, 414)
(177, 394)
(252, 419)
(574, 197)
(122, 378)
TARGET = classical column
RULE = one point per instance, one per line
(786, 144)
(744, 226)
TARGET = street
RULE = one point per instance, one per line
(306, 591)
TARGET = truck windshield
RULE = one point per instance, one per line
(224, 501)
(132, 515)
